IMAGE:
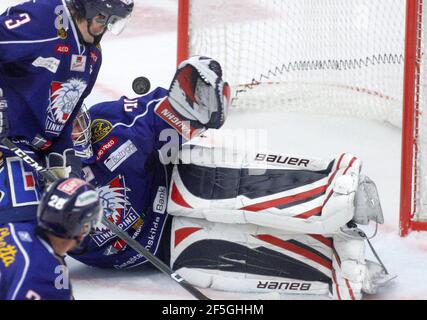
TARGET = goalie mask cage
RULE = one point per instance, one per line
(358, 58)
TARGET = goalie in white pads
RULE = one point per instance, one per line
(270, 222)
(260, 222)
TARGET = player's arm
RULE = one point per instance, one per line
(21, 278)
(20, 34)
(66, 155)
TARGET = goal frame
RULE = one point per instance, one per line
(410, 115)
(410, 106)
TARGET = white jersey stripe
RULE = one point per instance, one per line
(137, 117)
(29, 41)
(26, 258)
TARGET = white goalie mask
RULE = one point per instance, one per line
(81, 133)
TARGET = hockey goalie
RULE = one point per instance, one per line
(247, 221)
(237, 221)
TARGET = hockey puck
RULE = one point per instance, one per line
(141, 85)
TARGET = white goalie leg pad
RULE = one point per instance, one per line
(350, 267)
(296, 194)
(232, 282)
(247, 258)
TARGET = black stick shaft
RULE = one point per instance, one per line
(48, 175)
(153, 259)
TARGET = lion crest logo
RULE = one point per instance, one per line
(63, 99)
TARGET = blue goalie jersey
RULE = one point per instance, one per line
(134, 149)
(29, 268)
(45, 74)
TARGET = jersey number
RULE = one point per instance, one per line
(15, 23)
(56, 202)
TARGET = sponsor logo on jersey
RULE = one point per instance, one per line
(78, 63)
(159, 204)
(94, 56)
(117, 157)
(100, 128)
(24, 236)
(63, 49)
(7, 251)
(153, 233)
(105, 147)
(167, 113)
(70, 186)
(49, 63)
(63, 99)
(114, 196)
(292, 161)
(87, 198)
(130, 262)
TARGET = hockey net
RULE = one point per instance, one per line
(339, 57)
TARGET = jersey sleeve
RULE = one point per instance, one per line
(163, 133)
(22, 33)
(64, 141)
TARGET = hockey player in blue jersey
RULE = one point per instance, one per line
(32, 265)
(49, 61)
(134, 143)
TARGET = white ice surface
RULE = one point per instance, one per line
(148, 47)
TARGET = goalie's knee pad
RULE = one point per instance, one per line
(351, 270)
(302, 195)
(247, 258)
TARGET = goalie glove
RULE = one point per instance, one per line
(198, 97)
(65, 165)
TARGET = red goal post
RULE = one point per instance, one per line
(412, 97)
(377, 44)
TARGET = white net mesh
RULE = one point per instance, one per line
(322, 56)
(340, 57)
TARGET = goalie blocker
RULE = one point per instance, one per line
(271, 225)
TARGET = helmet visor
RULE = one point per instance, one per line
(116, 24)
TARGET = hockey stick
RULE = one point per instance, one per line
(49, 176)
(153, 259)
